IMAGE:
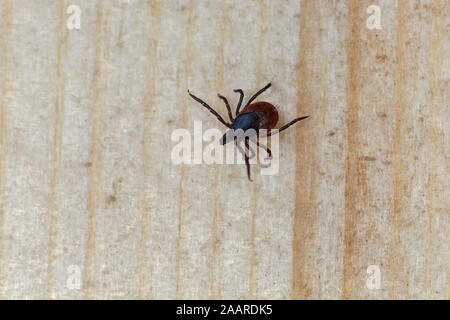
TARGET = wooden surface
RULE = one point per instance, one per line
(87, 182)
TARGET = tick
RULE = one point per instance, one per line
(258, 115)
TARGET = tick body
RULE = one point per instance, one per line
(266, 113)
(256, 116)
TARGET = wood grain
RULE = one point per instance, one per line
(87, 180)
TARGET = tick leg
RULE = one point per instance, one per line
(247, 163)
(203, 103)
(251, 152)
(246, 157)
(287, 125)
(269, 152)
(258, 93)
(228, 106)
(240, 100)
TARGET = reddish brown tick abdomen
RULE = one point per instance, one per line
(265, 111)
